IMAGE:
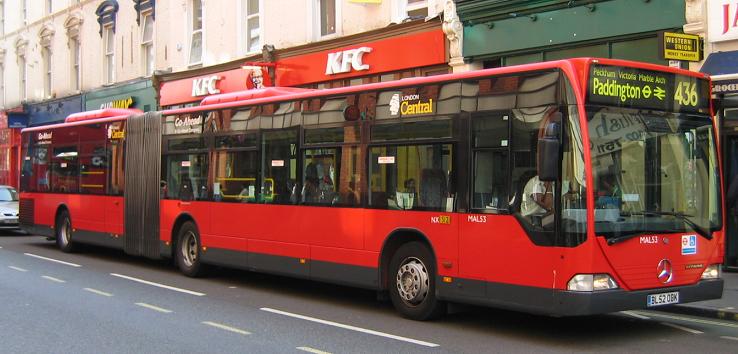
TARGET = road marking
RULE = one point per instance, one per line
(312, 350)
(227, 328)
(158, 285)
(693, 331)
(52, 260)
(18, 269)
(352, 328)
(53, 279)
(694, 320)
(727, 337)
(631, 313)
(152, 307)
(95, 291)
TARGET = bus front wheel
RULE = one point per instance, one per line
(188, 250)
(412, 283)
(64, 232)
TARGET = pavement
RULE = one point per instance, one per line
(725, 308)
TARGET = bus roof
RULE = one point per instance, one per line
(101, 113)
(577, 65)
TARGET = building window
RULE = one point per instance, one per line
(24, 11)
(22, 76)
(109, 45)
(2, 85)
(147, 44)
(2, 18)
(410, 9)
(253, 25)
(328, 14)
(46, 54)
(48, 7)
(75, 59)
(196, 37)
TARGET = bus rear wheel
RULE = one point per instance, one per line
(188, 250)
(63, 229)
(412, 286)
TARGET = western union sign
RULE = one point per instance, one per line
(678, 46)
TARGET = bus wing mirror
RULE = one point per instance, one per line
(549, 148)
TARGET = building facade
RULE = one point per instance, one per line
(502, 33)
(71, 55)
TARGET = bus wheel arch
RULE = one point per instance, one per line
(63, 229)
(392, 243)
(187, 246)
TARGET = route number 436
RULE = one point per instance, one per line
(686, 93)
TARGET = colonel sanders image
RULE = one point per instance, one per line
(257, 80)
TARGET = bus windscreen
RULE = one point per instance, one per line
(646, 89)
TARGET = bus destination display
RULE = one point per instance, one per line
(639, 88)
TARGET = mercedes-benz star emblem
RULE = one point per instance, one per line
(664, 271)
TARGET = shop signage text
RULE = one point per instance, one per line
(679, 46)
(727, 86)
(722, 20)
(122, 103)
(205, 86)
(344, 61)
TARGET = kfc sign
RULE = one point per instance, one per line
(343, 61)
(205, 86)
(722, 19)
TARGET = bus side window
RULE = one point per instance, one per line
(411, 177)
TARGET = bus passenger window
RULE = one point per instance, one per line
(235, 176)
(65, 170)
(411, 177)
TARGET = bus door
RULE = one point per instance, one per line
(142, 172)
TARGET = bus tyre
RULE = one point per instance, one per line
(188, 250)
(412, 283)
(63, 230)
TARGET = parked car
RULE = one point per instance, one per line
(8, 208)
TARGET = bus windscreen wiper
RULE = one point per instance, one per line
(627, 236)
(684, 217)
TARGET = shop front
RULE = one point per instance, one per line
(10, 123)
(189, 88)
(416, 48)
(138, 94)
(504, 33)
(52, 111)
(393, 53)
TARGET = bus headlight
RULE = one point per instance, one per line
(591, 282)
(711, 272)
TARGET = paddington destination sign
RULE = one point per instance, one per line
(640, 88)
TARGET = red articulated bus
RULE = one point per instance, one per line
(571, 187)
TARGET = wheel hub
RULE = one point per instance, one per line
(189, 249)
(412, 281)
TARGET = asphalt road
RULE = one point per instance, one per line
(102, 301)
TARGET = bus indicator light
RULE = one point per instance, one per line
(303, 260)
(448, 279)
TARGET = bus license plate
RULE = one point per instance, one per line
(663, 299)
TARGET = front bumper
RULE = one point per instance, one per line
(9, 224)
(571, 303)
